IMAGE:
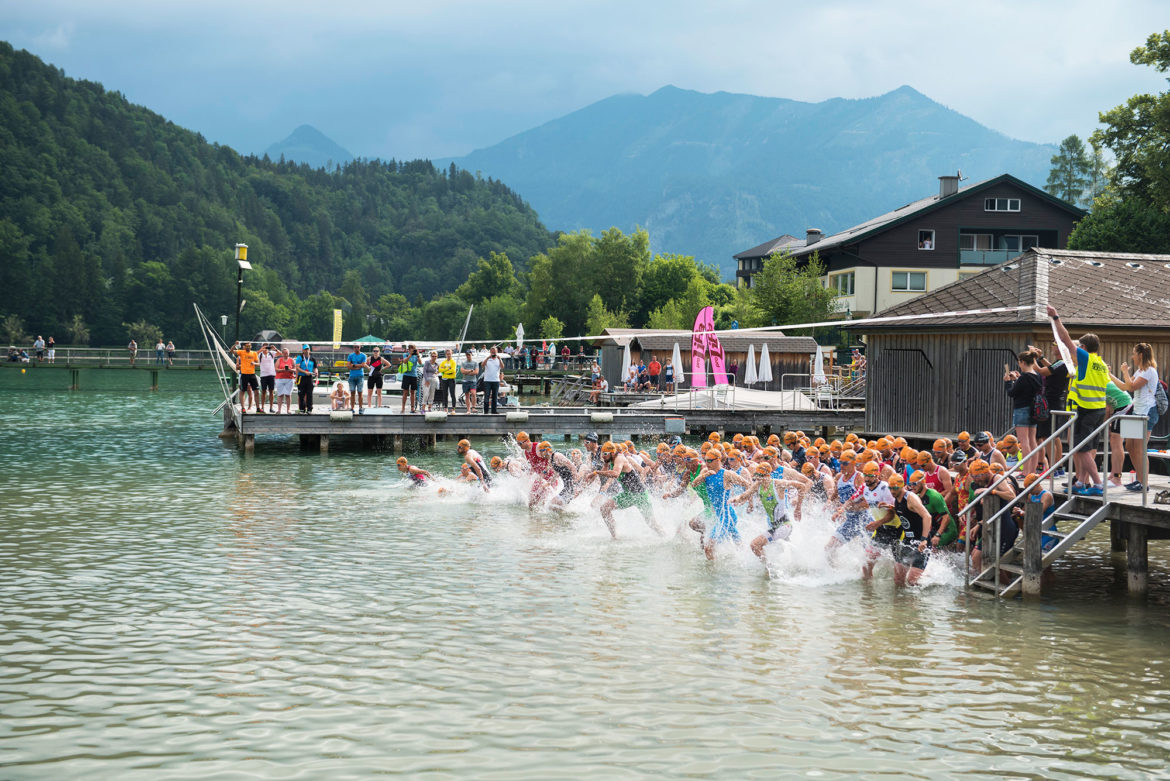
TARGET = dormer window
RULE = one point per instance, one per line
(1001, 204)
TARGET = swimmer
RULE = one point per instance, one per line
(474, 460)
(417, 475)
(911, 546)
(633, 490)
(772, 488)
(511, 465)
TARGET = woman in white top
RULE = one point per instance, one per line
(1143, 384)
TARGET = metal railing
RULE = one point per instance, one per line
(120, 356)
(1049, 473)
(983, 494)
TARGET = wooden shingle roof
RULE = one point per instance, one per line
(1089, 289)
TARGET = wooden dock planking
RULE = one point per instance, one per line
(544, 421)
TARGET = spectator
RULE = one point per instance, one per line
(377, 378)
(430, 381)
(1023, 386)
(631, 381)
(447, 382)
(643, 377)
(594, 372)
(470, 371)
(1116, 401)
(285, 372)
(52, 350)
(566, 356)
(246, 359)
(408, 374)
(1086, 397)
(357, 363)
(1055, 377)
(267, 376)
(170, 353)
(13, 355)
(132, 348)
(655, 370)
(1143, 383)
(39, 348)
(306, 380)
(668, 375)
(339, 399)
(160, 353)
(492, 374)
(732, 372)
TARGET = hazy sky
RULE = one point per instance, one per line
(433, 78)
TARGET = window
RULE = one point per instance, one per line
(926, 239)
(975, 242)
(1001, 204)
(842, 283)
(909, 281)
(1017, 242)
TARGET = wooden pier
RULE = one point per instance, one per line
(386, 426)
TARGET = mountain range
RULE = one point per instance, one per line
(710, 175)
(309, 145)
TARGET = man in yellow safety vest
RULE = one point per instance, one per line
(1086, 397)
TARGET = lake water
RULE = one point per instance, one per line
(172, 609)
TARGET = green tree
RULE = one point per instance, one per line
(492, 277)
(146, 334)
(598, 318)
(559, 282)
(1068, 178)
(77, 331)
(616, 266)
(551, 328)
(14, 330)
(666, 277)
(786, 293)
(1138, 133)
(1122, 225)
(1100, 171)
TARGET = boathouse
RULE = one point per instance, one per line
(939, 376)
(789, 356)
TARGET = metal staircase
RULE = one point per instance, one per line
(1012, 561)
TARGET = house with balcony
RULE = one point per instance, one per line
(928, 243)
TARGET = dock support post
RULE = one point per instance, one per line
(434, 438)
(1033, 552)
(397, 443)
(74, 379)
(324, 443)
(1137, 563)
(306, 440)
(154, 379)
(1116, 538)
(249, 443)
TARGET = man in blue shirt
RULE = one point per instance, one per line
(357, 376)
(306, 376)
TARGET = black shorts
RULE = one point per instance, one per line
(248, 381)
(886, 537)
(409, 382)
(1043, 429)
(267, 382)
(908, 555)
(1115, 426)
(374, 381)
(1087, 421)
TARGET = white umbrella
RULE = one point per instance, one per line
(765, 373)
(519, 336)
(749, 374)
(819, 367)
(676, 361)
(625, 363)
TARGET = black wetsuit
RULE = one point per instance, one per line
(568, 481)
(906, 552)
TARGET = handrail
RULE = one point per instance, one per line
(997, 517)
(1005, 476)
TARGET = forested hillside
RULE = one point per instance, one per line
(111, 215)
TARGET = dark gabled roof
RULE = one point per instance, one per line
(733, 343)
(664, 341)
(924, 206)
(1088, 289)
(769, 248)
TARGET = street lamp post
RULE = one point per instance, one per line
(241, 264)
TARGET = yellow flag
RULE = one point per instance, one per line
(336, 329)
